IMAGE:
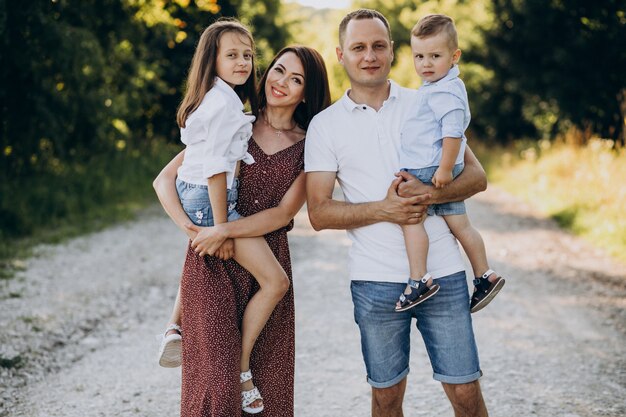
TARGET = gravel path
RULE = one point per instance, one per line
(78, 325)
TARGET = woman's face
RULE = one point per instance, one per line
(285, 82)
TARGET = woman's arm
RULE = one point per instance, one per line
(259, 224)
(165, 186)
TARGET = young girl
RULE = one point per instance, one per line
(216, 132)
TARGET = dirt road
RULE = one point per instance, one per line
(77, 325)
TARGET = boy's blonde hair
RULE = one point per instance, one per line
(434, 24)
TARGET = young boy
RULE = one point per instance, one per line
(432, 149)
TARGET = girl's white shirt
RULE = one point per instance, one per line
(216, 135)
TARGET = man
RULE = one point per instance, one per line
(356, 142)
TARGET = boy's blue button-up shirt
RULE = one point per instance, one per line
(441, 110)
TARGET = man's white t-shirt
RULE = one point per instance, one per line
(361, 146)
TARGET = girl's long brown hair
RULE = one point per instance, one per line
(203, 69)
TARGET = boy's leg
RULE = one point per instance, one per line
(416, 241)
(257, 258)
(487, 283)
(471, 241)
(385, 343)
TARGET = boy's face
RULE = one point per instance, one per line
(433, 57)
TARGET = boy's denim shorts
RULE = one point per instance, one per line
(444, 322)
(425, 175)
(195, 201)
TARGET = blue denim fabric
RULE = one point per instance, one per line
(425, 175)
(444, 322)
(195, 201)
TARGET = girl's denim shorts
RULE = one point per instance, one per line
(195, 201)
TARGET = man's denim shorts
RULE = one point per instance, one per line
(444, 322)
(425, 175)
(195, 201)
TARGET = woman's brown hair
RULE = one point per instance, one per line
(203, 69)
(316, 90)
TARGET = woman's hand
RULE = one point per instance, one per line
(209, 240)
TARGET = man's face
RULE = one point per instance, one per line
(366, 53)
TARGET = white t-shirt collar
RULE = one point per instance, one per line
(350, 104)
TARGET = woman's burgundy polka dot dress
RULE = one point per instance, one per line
(214, 295)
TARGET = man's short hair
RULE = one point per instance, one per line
(359, 15)
(434, 24)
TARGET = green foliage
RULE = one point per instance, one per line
(89, 91)
(556, 64)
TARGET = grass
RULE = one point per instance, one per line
(73, 199)
(580, 186)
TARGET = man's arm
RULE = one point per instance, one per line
(471, 181)
(326, 213)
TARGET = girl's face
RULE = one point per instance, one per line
(234, 58)
(285, 82)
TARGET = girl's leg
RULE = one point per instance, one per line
(170, 350)
(471, 241)
(257, 258)
(175, 316)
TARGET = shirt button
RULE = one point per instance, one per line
(364, 108)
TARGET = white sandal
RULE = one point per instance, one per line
(171, 349)
(248, 397)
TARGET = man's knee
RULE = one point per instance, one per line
(466, 399)
(388, 400)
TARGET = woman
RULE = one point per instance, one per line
(214, 292)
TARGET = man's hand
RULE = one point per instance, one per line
(403, 210)
(442, 177)
(411, 186)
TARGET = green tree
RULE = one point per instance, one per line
(94, 83)
(557, 63)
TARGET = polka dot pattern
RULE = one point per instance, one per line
(214, 296)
